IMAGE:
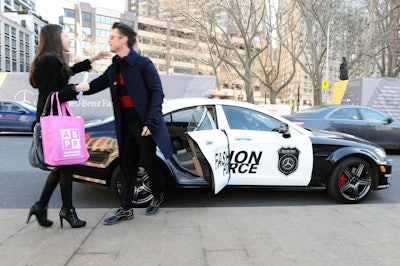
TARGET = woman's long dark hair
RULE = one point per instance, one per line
(50, 43)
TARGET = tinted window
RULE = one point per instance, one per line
(195, 118)
(372, 115)
(246, 119)
(345, 113)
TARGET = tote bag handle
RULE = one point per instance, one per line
(63, 109)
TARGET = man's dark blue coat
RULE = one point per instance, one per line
(143, 84)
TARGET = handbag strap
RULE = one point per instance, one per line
(59, 110)
(63, 108)
(66, 109)
(46, 105)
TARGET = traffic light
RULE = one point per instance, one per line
(344, 75)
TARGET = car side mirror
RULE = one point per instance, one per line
(389, 120)
(284, 130)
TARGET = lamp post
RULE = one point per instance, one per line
(327, 59)
(298, 95)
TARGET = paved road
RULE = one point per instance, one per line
(22, 184)
(194, 227)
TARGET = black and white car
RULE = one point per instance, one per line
(220, 143)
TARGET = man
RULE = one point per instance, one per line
(137, 97)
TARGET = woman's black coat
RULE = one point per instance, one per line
(49, 78)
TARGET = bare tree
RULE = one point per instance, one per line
(317, 17)
(277, 64)
(348, 30)
(368, 36)
(383, 51)
(234, 29)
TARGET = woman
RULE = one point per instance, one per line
(49, 73)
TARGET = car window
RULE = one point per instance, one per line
(6, 107)
(28, 106)
(246, 119)
(309, 111)
(15, 108)
(195, 118)
(345, 113)
(372, 115)
(181, 121)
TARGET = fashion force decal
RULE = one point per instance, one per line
(243, 162)
(288, 160)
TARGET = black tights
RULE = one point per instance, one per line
(62, 175)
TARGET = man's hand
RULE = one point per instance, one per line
(145, 132)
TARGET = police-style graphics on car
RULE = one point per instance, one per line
(288, 160)
(220, 143)
(245, 162)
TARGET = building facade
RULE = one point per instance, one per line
(19, 34)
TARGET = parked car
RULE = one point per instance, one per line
(17, 116)
(222, 142)
(361, 121)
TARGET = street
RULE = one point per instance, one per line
(195, 227)
(22, 185)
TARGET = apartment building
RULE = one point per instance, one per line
(173, 51)
(19, 34)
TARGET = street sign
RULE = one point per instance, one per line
(325, 84)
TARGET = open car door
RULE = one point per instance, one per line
(211, 156)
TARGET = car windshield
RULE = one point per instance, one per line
(28, 106)
(309, 111)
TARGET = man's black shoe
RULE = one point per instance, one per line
(154, 205)
(120, 215)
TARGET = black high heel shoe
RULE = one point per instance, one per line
(40, 211)
(71, 217)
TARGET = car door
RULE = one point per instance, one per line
(8, 118)
(378, 128)
(211, 156)
(346, 119)
(261, 155)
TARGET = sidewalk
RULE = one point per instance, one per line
(295, 235)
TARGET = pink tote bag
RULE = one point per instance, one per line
(63, 136)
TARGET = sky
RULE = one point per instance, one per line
(51, 10)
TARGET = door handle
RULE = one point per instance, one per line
(243, 138)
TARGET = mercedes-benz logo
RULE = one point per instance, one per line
(25, 96)
(288, 160)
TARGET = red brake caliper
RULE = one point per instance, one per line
(342, 180)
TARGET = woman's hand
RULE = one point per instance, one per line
(83, 86)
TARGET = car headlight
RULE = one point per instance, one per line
(380, 153)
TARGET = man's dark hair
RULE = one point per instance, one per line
(127, 31)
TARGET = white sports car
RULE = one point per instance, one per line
(223, 142)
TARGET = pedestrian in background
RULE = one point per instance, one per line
(50, 73)
(137, 97)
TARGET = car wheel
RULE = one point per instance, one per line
(142, 195)
(351, 180)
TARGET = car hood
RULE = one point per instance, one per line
(334, 138)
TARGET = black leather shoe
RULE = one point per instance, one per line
(40, 211)
(120, 215)
(71, 217)
(154, 205)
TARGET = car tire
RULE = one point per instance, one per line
(351, 181)
(142, 195)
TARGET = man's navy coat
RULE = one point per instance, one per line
(143, 84)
